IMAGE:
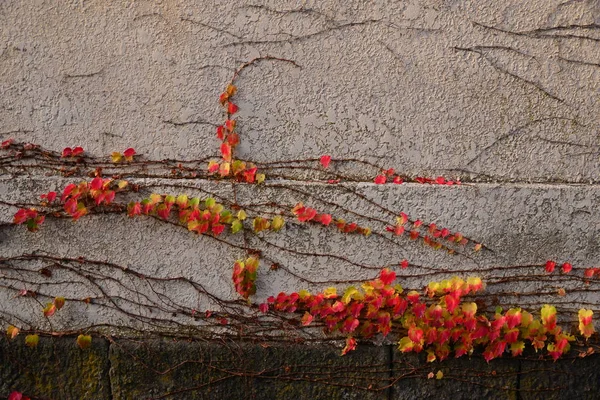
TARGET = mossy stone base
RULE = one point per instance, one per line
(55, 369)
(246, 371)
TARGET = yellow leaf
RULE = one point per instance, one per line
(348, 294)
(182, 201)
(224, 169)
(260, 178)
(439, 375)
(241, 215)
(32, 340)
(405, 345)
(84, 341)
(122, 184)
(155, 198)
(430, 355)
(59, 302)
(330, 293)
(469, 309)
(116, 157)
(277, 223)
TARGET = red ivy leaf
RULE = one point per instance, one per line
(226, 151)
(77, 151)
(129, 153)
(220, 132)
(230, 125)
(50, 196)
(325, 160)
(350, 345)
(325, 219)
(17, 396)
(232, 108)
(67, 152)
(233, 139)
(6, 144)
(589, 272)
(380, 179)
(566, 268)
(387, 276)
(550, 266)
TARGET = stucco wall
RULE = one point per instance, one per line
(503, 95)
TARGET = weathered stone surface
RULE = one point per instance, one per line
(463, 378)
(236, 370)
(55, 369)
(569, 378)
(503, 90)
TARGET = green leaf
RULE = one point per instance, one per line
(226, 217)
(236, 226)
(210, 202)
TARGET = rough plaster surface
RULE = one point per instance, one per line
(504, 94)
(506, 90)
(522, 224)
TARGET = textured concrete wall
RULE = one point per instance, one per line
(506, 90)
(501, 94)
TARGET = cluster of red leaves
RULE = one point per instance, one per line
(6, 143)
(390, 175)
(228, 166)
(206, 216)
(590, 272)
(72, 152)
(432, 236)
(200, 216)
(30, 217)
(244, 276)
(440, 325)
(77, 198)
(550, 265)
(307, 214)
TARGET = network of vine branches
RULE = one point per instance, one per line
(228, 202)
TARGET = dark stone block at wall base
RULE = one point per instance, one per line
(56, 369)
(246, 371)
(568, 378)
(149, 369)
(463, 378)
